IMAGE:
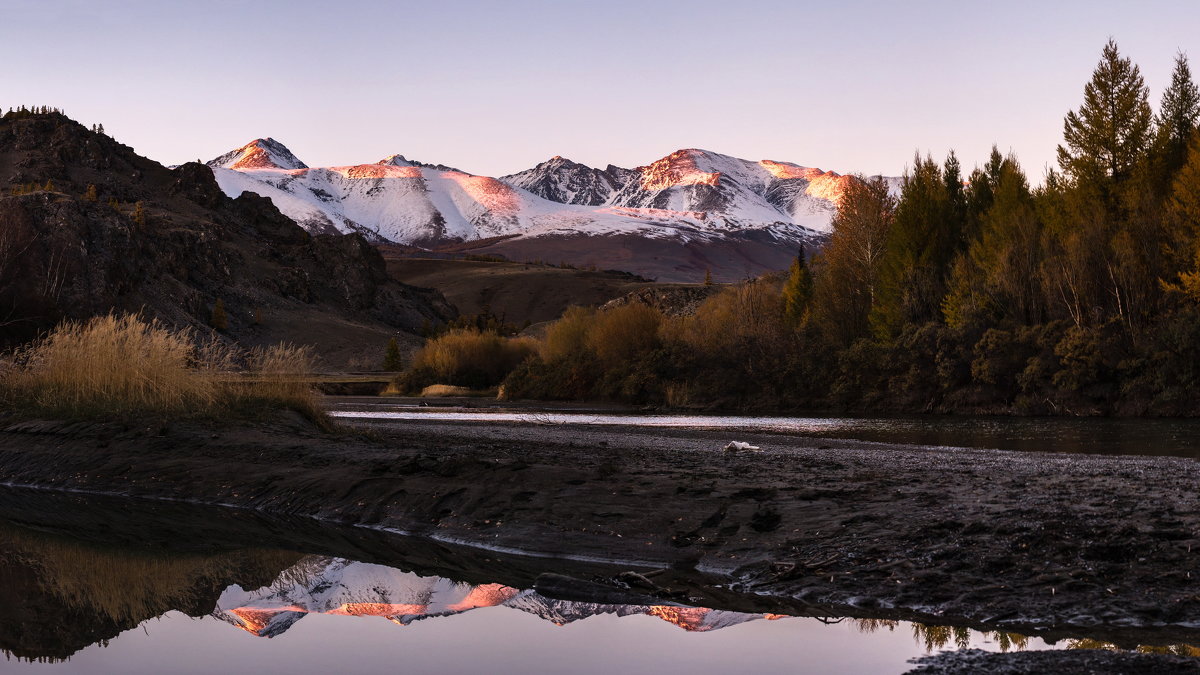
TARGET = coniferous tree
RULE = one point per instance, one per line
(139, 214)
(1108, 136)
(90, 195)
(797, 292)
(920, 249)
(956, 197)
(1183, 214)
(847, 270)
(708, 280)
(1179, 111)
(1176, 123)
(219, 318)
(392, 361)
(996, 280)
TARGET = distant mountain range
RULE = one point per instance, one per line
(673, 218)
(324, 585)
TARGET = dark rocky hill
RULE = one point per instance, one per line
(87, 226)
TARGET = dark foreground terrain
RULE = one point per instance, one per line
(1057, 546)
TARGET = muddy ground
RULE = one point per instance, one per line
(1051, 545)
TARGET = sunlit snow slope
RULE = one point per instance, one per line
(688, 195)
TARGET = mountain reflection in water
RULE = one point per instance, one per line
(72, 603)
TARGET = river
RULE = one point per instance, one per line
(1119, 436)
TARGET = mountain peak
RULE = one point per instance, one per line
(261, 153)
(396, 160)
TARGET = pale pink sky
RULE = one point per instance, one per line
(495, 87)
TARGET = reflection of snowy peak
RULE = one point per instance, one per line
(692, 619)
(337, 586)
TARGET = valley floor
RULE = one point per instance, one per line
(1057, 546)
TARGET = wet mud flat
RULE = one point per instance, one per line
(1051, 545)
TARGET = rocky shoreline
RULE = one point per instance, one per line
(1051, 545)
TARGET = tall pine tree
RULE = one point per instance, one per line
(1109, 134)
(1175, 122)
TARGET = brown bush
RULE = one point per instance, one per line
(569, 335)
(620, 334)
(467, 358)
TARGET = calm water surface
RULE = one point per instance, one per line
(1172, 437)
(129, 587)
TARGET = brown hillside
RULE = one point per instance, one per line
(519, 292)
(70, 252)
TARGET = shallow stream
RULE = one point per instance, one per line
(1167, 437)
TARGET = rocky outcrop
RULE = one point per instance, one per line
(169, 243)
(671, 301)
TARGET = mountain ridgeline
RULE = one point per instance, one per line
(90, 227)
(674, 219)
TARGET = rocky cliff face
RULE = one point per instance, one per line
(566, 182)
(169, 243)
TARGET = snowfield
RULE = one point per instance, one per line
(689, 195)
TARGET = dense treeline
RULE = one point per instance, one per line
(962, 293)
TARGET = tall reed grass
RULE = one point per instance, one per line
(123, 366)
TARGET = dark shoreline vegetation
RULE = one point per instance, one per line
(964, 294)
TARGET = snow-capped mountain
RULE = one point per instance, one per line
(319, 584)
(689, 202)
(264, 153)
(566, 182)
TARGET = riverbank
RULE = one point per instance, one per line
(1053, 545)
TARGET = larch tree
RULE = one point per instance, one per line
(797, 291)
(1178, 114)
(1108, 136)
(997, 279)
(920, 248)
(847, 270)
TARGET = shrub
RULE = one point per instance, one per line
(569, 335)
(621, 334)
(466, 358)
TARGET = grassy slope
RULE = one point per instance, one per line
(519, 292)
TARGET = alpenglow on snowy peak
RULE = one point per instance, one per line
(262, 153)
(687, 212)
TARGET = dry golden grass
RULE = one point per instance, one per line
(117, 366)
